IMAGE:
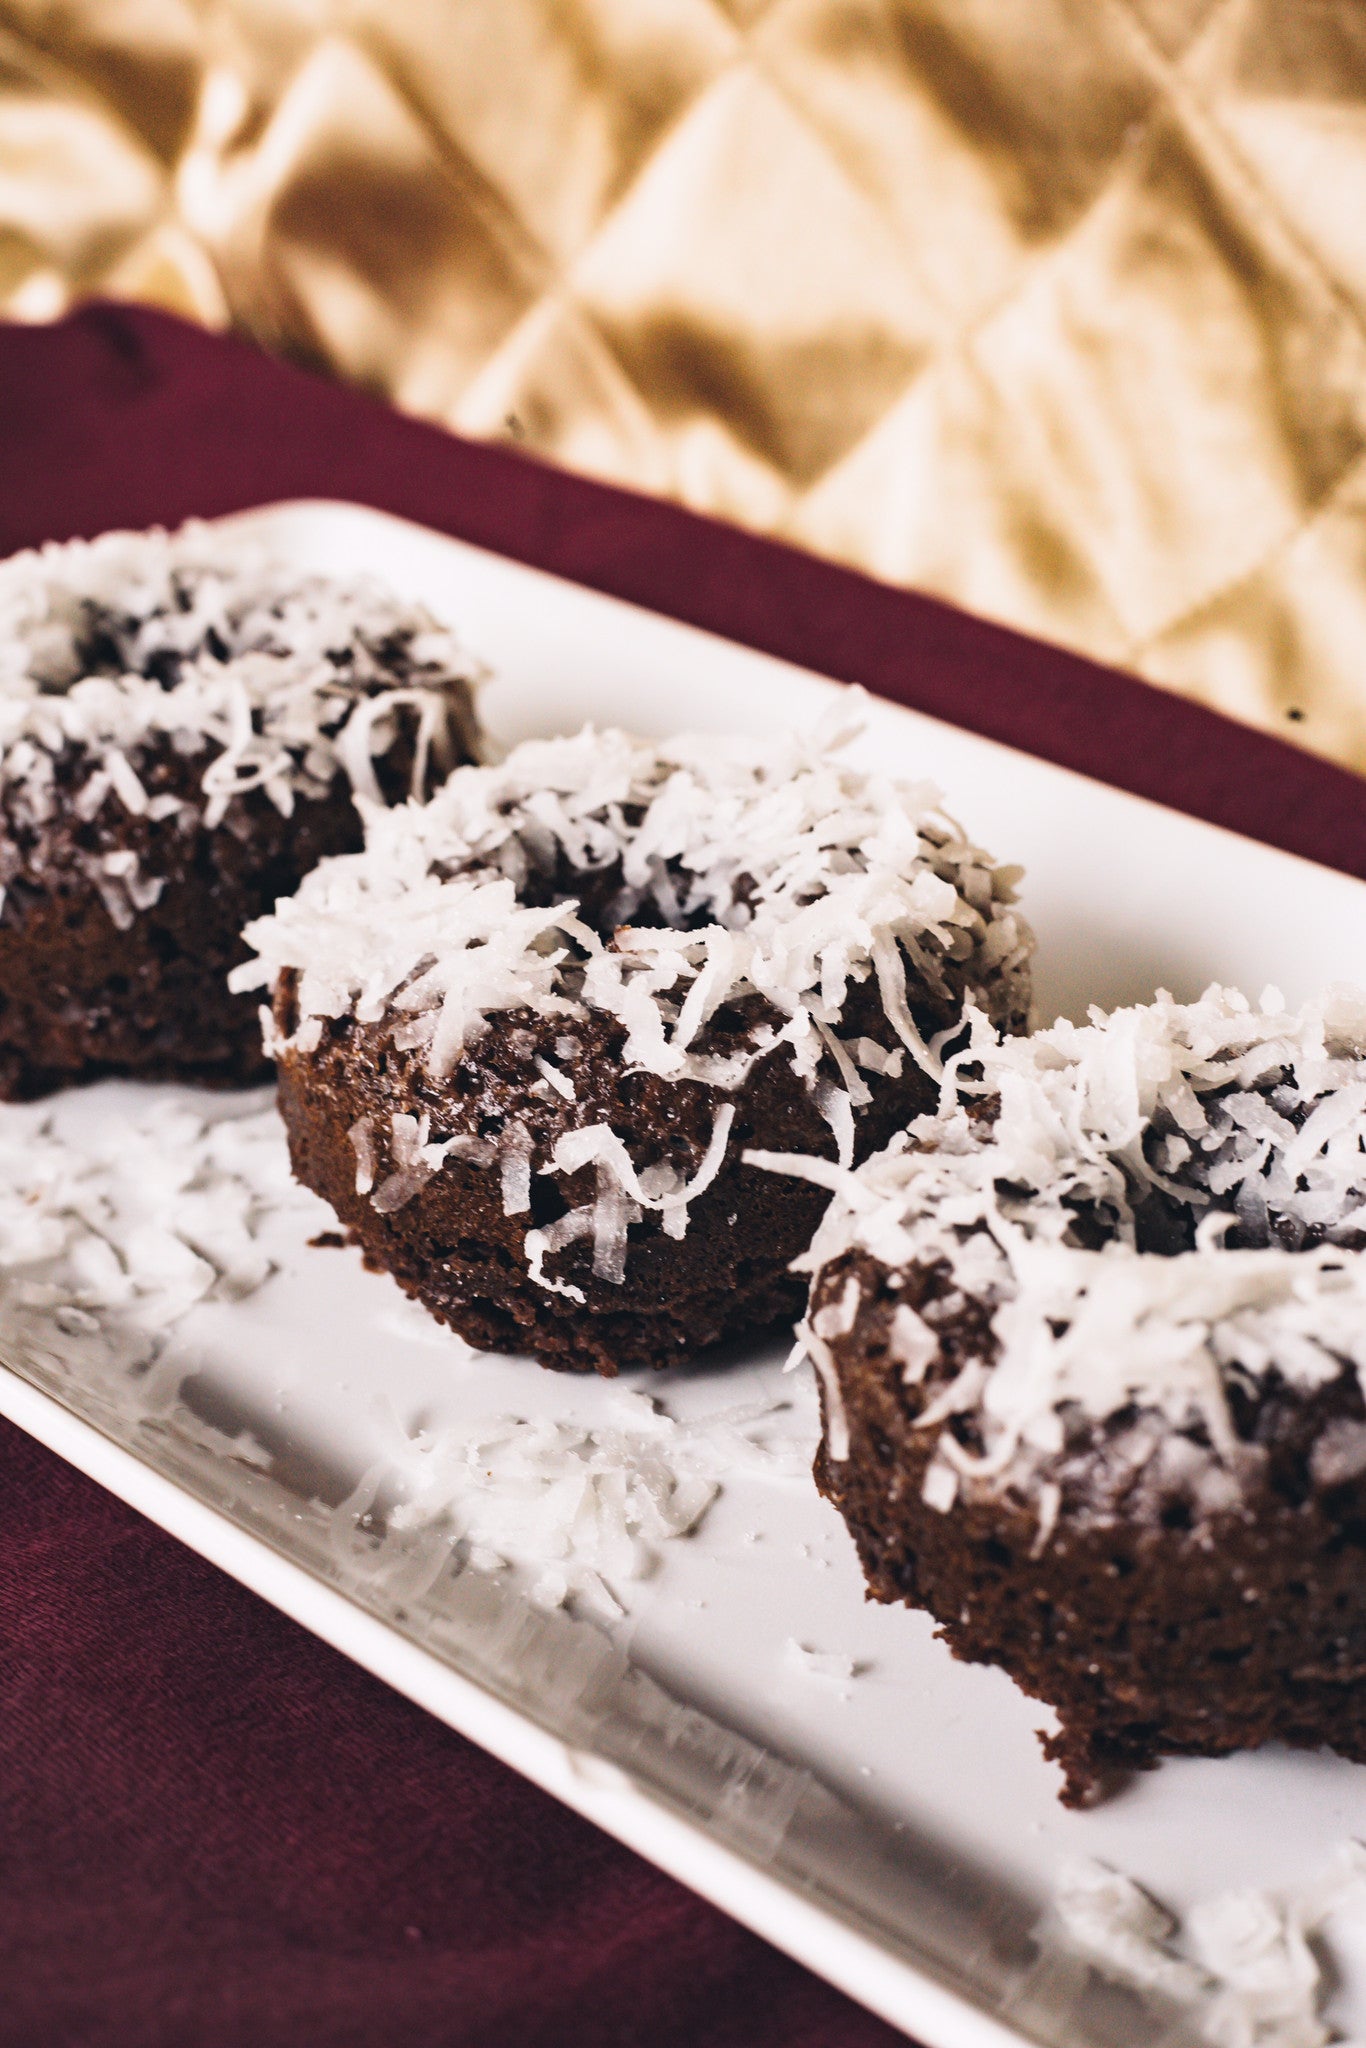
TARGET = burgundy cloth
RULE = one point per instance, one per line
(214, 1831)
(126, 416)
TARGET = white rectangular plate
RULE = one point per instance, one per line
(898, 1831)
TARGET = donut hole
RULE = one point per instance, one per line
(1234, 1171)
(105, 640)
(101, 644)
(672, 900)
(109, 642)
(1162, 1225)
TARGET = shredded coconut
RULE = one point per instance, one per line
(784, 874)
(109, 1239)
(582, 1510)
(655, 883)
(1243, 1966)
(833, 1666)
(363, 1145)
(1164, 1198)
(116, 1238)
(135, 640)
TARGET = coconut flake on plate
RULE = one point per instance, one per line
(116, 1236)
(834, 1667)
(1245, 1968)
(579, 1509)
(110, 1236)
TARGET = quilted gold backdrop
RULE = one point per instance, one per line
(1054, 307)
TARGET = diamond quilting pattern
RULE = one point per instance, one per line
(1055, 307)
(1039, 95)
(596, 87)
(783, 311)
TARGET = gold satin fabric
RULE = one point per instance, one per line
(1053, 307)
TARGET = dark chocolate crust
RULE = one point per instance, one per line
(80, 997)
(1152, 1627)
(454, 1249)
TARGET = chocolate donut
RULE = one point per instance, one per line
(1092, 1347)
(524, 1038)
(183, 727)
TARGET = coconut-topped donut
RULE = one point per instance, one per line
(183, 725)
(1092, 1344)
(524, 1037)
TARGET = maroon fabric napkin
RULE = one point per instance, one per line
(214, 1831)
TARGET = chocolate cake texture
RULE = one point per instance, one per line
(525, 1037)
(184, 729)
(1091, 1342)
